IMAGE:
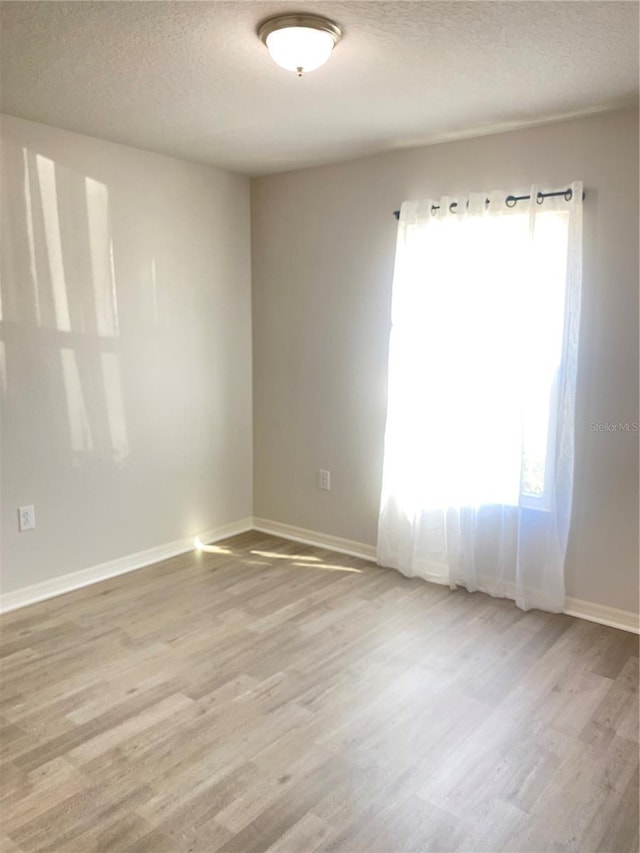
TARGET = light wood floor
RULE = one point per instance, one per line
(276, 696)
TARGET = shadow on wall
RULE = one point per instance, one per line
(58, 228)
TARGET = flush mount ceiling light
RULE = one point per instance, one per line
(299, 42)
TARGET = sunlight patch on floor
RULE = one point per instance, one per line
(328, 567)
(275, 556)
(209, 549)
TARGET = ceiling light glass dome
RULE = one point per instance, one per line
(299, 43)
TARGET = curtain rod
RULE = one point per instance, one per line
(510, 200)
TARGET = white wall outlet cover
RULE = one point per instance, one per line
(26, 518)
(324, 480)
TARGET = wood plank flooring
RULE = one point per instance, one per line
(273, 696)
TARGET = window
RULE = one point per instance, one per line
(479, 309)
(479, 445)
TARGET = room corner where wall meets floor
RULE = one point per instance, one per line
(621, 619)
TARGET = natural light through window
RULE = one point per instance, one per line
(476, 350)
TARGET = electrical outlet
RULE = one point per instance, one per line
(324, 480)
(26, 518)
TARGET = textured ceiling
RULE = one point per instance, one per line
(192, 79)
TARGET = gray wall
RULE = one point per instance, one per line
(323, 248)
(125, 350)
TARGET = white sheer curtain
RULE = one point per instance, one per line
(479, 444)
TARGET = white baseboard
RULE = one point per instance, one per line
(626, 620)
(312, 537)
(85, 577)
